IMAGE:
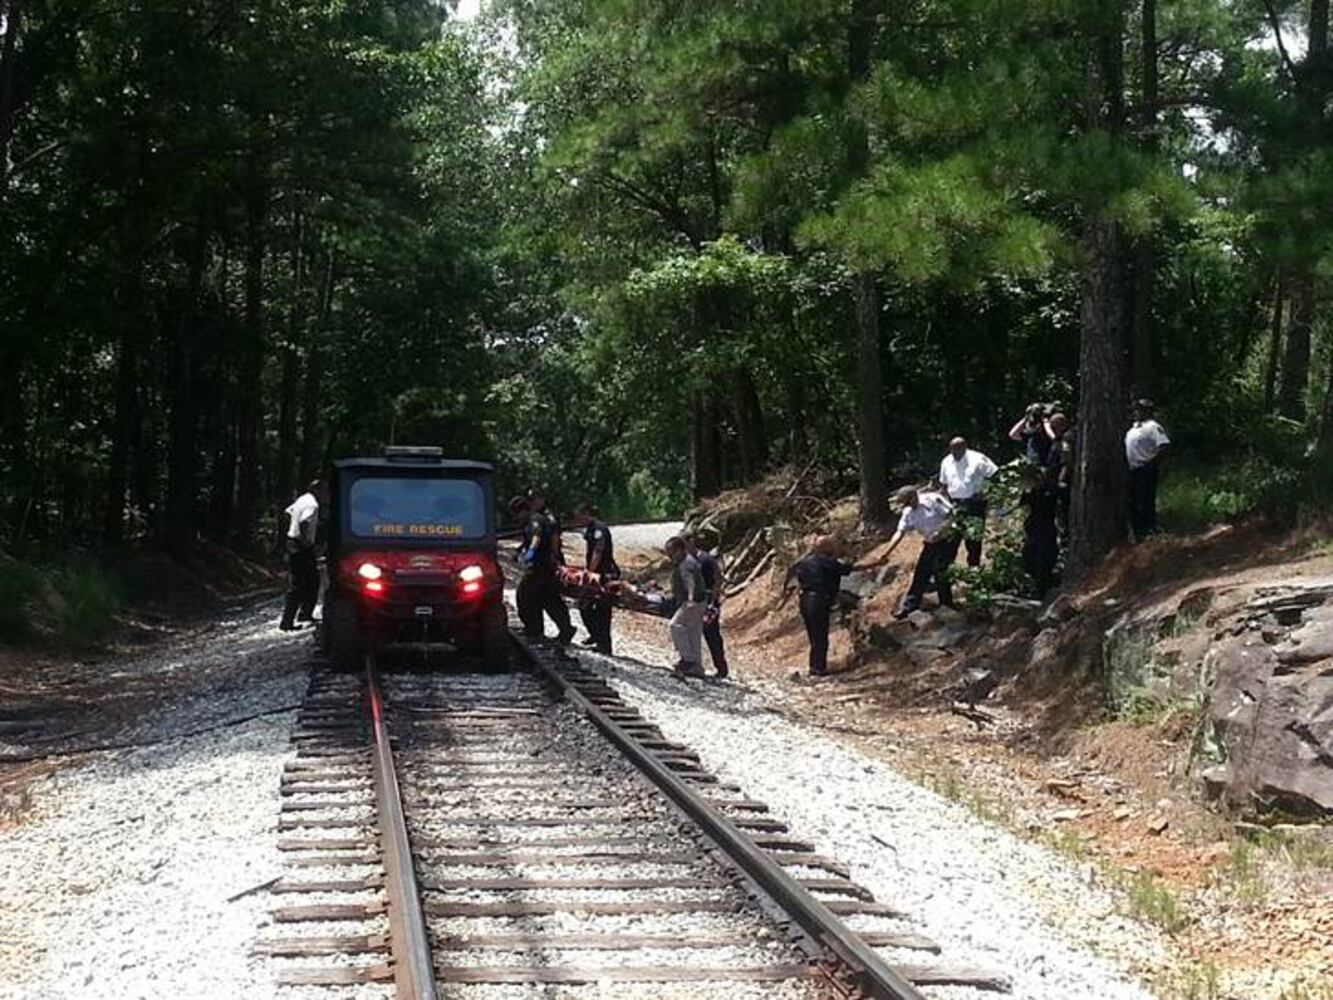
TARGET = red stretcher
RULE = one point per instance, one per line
(582, 585)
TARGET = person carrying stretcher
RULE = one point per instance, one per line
(596, 602)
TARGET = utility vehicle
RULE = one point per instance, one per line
(412, 560)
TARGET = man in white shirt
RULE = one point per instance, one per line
(964, 474)
(1146, 445)
(302, 526)
(929, 515)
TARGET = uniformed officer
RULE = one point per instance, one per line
(700, 545)
(1041, 546)
(928, 514)
(537, 590)
(600, 558)
(302, 527)
(819, 577)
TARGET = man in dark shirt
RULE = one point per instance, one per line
(537, 590)
(1033, 430)
(1041, 546)
(819, 577)
(687, 591)
(710, 566)
(600, 558)
(1060, 471)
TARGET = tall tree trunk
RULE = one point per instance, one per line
(750, 426)
(314, 374)
(864, 27)
(250, 410)
(182, 454)
(870, 403)
(798, 440)
(1304, 301)
(11, 14)
(705, 478)
(1097, 520)
(1274, 345)
(1145, 249)
(287, 401)
(1296, 358)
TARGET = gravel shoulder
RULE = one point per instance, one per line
(990, 898)
(134, 873)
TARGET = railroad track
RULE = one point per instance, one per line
(469, 835)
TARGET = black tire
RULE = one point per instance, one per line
(496, 646)
(342, 640)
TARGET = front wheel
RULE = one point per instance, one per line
(341, 636)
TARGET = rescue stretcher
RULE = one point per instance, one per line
(582, 585)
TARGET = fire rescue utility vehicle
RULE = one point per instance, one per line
(412, 560)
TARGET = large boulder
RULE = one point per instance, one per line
(1270, 710)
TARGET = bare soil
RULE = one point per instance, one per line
(1118, 795)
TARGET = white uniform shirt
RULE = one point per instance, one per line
(1143, 442)
(965, 477)
(929, 517)
(303, 518)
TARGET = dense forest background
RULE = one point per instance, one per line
(641, 250)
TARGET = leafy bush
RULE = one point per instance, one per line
(18, 584)
(73, 605)
(88, 600)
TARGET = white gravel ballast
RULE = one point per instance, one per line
(137, 874)
(990, 899)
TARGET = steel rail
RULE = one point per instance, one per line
(413, 969)
(873, 975)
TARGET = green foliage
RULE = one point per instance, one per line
(1149, 899)
(69, 606)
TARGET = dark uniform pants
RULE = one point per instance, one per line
(1143, 500)
(304, 589)
(974, 507)
(596, 615)
(713, 636)
(538, 592)
(816, 609)
(932, 568)
(1041, 552)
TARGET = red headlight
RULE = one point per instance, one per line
(369, 571)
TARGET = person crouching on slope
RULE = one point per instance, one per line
(928, 514)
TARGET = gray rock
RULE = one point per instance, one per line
(1275, 728)
(1310, 643)
(863, 585)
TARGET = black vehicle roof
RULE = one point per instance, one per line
(401, 465)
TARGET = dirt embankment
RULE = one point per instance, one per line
(1120, 716)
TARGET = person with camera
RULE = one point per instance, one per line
(1033, 431)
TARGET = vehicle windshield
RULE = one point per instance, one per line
(415, 507)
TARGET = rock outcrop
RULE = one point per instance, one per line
(1270, 710)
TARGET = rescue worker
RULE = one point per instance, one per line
(1059, 475)
(819, 577)
(538, 591)
(1033, 430)
(302, 527)
(964, 474)
(700, 546)
(1146, 446)
(688, 593)
(600, 558)
(1041, 545)
(928, 514)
